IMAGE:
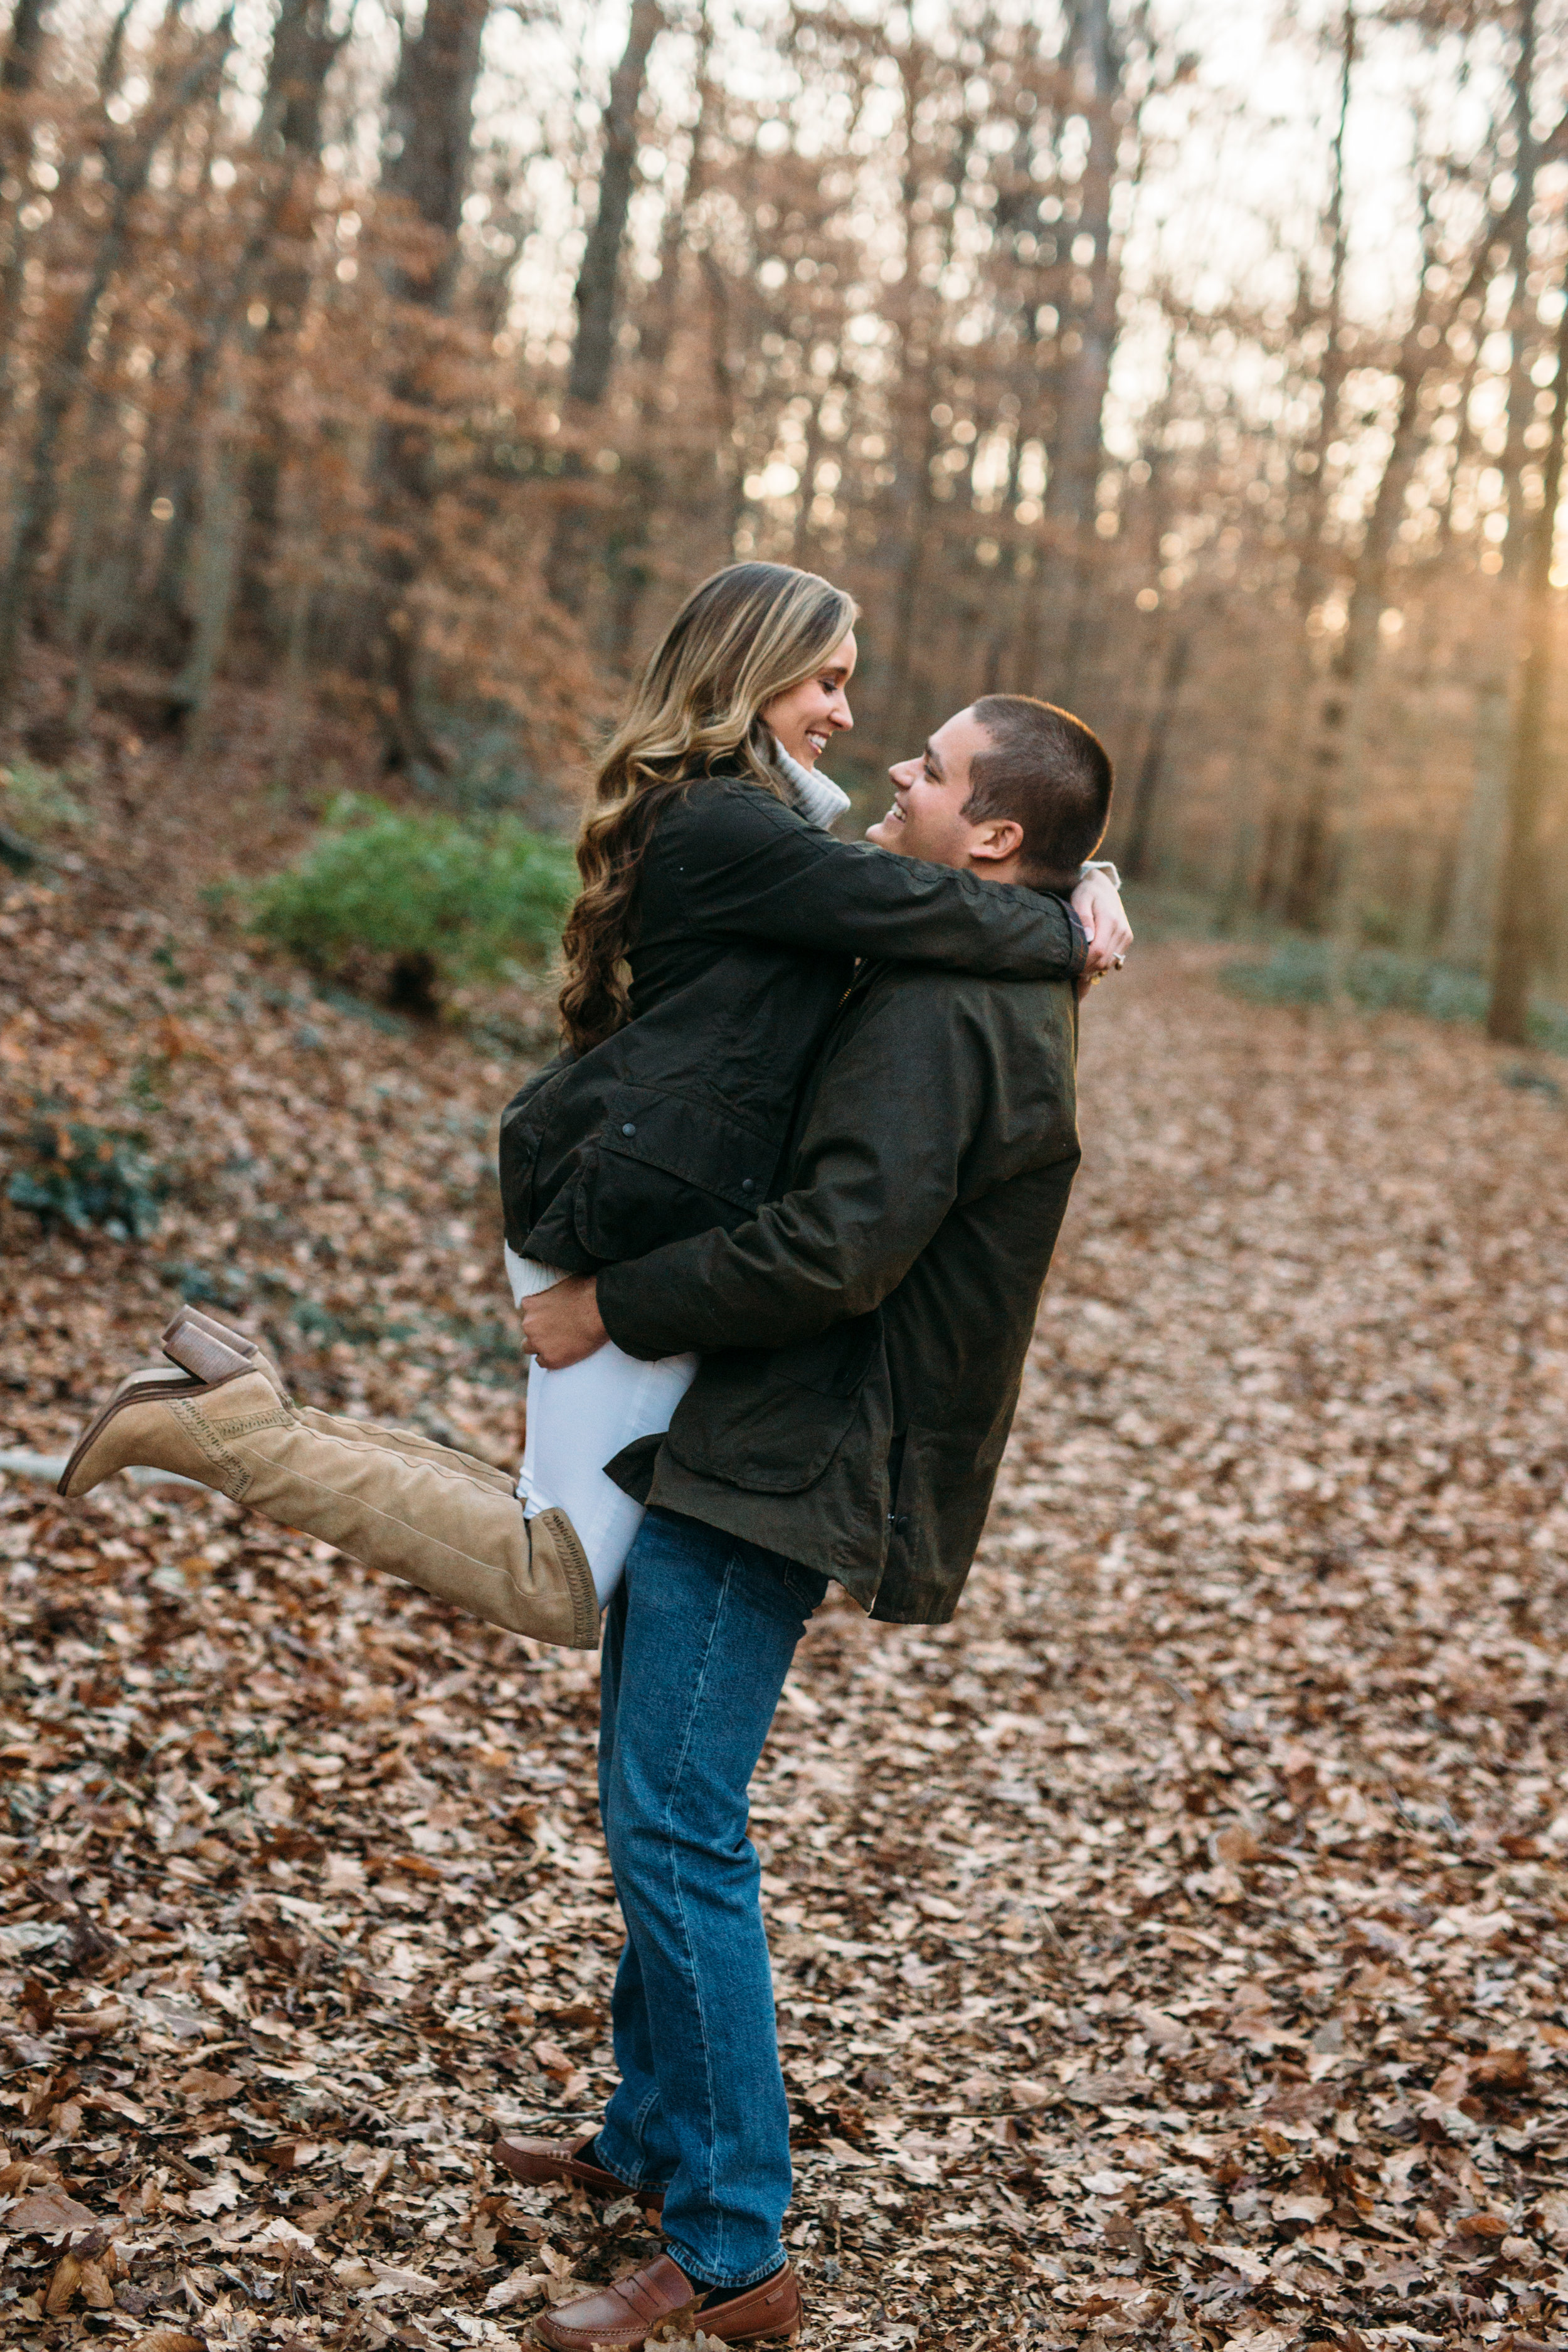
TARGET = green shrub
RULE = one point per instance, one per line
(206, 1285)
(1297, 972)
(37, 801)
(436, 902)
(34, 808)
(87, 1177)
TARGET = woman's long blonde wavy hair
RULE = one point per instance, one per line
(744, 636)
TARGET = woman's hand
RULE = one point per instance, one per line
(1097, 906)
(561, 1326)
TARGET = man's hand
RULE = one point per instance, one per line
(1109, 934)
(561, 1326)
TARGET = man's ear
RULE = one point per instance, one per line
(996, 839)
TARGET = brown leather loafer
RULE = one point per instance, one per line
(623, 2316)
(534, 2161)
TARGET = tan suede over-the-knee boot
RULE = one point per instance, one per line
(427, 1520)
(188, 1342)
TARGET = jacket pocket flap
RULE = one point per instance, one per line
(687, 1140)
(767, 1435)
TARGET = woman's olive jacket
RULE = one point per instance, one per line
(748, 922)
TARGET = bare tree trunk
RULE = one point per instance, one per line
(915, 394)
(649, 487)
(598, 296)
(217, 294)
(1291, 842)
(729, 493)
(918, 451)
(128, 166)
(1482, 847)
(1467, 935)
(429, 122)
(430, 116)
(1078, 450)
(1325, 876)
(1313, 577)
(1146, 789)
(1517, 938)
(302, 595)
(92, 501)
(304, 50)
(202, 548)
(1326, 847)
(215, 575)
(18, 77)
(98, 552)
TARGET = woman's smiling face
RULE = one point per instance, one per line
(805, 717)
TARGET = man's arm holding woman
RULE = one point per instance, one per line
(907, 1081)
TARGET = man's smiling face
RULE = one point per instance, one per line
(930, 794)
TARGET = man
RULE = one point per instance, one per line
(863, 1340)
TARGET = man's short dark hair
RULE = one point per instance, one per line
(1047, 771)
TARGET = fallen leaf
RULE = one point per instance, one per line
(677, 2327)
(1241, 2257)
(92, 2022)
(63, 2286)
(280, 2232)
(43, 2210)
(211, 2089)
(1553, 2211)
(1301, 2207)
(1480, 2225)
(1503, 2070)
(22, 2172)
(94, 2287)
(1402, 2272)
(391, 2279)
(517, 2288)
(1236, 1843)
(1166, 2033)
(217, 2196)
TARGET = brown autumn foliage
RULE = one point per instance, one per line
(409, 383)
(1169, 1952)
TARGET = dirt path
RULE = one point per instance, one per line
(1169, 1951)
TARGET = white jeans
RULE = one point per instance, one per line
(578, 1419)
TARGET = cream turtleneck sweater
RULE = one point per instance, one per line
(816, 798)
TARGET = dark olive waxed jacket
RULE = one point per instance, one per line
(747, 924)
(887, 1298)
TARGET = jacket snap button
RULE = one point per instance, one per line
(628, 1129)
(748, 1184)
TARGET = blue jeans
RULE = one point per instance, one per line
(698, 1641)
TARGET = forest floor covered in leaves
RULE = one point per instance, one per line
(1169, 1952)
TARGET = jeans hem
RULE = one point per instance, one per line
(626, 2174)
(677, 2253)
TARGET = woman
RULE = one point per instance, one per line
(716, 933)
